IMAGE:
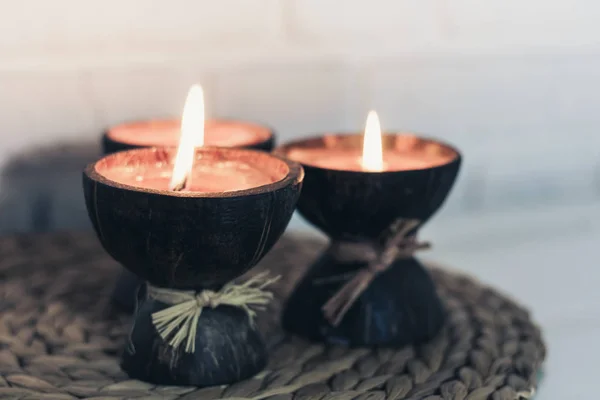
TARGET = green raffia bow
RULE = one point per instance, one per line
(178, 323)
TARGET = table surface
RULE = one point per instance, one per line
(562, 292)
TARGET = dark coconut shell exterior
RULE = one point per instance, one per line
(353, 205)
(186, 240)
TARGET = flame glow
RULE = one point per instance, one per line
(192, 135)
(372, 157)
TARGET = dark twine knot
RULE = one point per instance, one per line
(400, 244)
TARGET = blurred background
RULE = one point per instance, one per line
(515, 84)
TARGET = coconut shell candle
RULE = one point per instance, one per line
(158, 213)
(166, 133)
(370, 194)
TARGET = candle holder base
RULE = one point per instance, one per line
(228, 349)
(400, 306)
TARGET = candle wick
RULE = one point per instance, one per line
(181, 185)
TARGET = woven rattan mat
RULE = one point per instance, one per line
(60, 339)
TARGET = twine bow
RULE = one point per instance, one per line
(399, 245)
(178, 324)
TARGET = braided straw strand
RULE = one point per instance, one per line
(178, 324)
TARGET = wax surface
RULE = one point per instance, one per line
(167, 132)
(351, 159)
(208, 176)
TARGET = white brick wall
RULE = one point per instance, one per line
(514, 83)
(380, 25)
(115, 27)
(135, 92)
(296, 98)
(39, 107)
(523, 24)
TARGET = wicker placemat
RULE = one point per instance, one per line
(59, 338)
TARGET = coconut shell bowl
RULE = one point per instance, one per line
(191, 243)
(367, 288)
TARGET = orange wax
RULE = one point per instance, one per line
(401, 153)
(166, 132)
(351, 159)
(211, 173)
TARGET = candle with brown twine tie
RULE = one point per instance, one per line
(367, 288)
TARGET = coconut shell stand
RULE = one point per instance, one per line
(129, 284)
(194, 242)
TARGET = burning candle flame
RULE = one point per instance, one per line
(372, 157)
(192, 135)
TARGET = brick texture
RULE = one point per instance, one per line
(368, 25)
(40, 108)
(514, 24)
(125, 94)
(70, 27)
(297, 100)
